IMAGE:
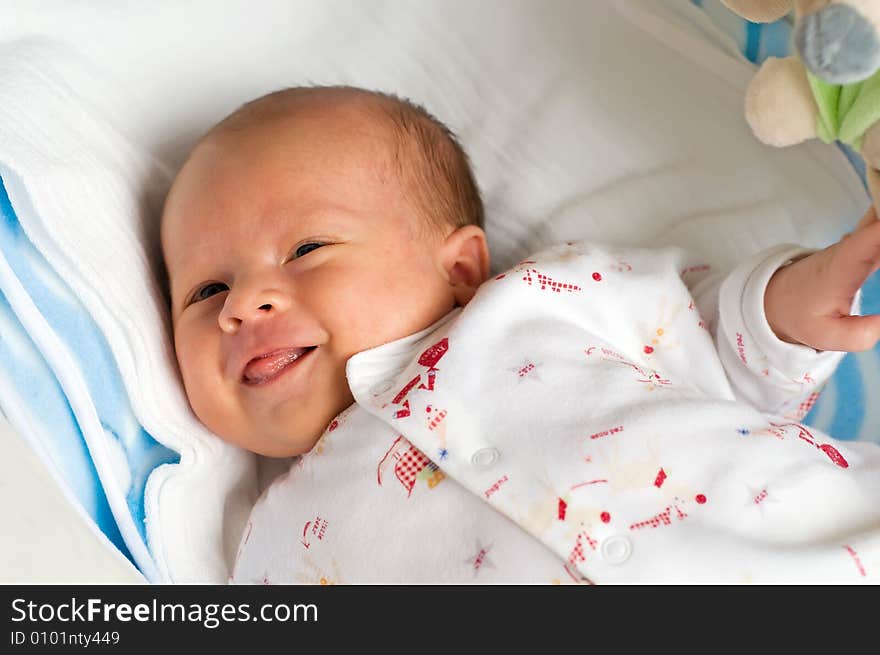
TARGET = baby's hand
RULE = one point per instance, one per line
(808, 302)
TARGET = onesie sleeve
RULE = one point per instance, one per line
(772, 375)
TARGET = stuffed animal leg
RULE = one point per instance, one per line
(780, 107)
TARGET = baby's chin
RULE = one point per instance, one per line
(280, 451)
(289, 442)
(279, 440)
(286, 429)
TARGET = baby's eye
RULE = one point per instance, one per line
(209, 290)
(306, 248)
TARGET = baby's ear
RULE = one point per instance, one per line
(465, 259)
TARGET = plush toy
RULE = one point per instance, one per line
(831, 90)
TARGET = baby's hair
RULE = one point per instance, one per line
(426, 153)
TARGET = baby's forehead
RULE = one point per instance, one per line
(331, 112)
(360, 132)
(270, 140)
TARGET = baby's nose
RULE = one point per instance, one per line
(248, 305)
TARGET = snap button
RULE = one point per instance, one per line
(485, 457)
(381, 387)
(616, 549)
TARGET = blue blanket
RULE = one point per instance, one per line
(112, 497)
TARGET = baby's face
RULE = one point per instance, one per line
(290, 247)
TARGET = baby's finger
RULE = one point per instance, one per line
(869, 217)
(856, 257)
(847, 333)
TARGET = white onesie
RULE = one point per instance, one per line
(594, 414)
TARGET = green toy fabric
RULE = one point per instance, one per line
(847, 111)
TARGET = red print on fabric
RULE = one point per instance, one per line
(700, 322)
(495, 486)
(660, 479)
(249, 529)
(805, 407)
(645, 375)
(605, 433)
(805, 435)
(665, 517)
(588, 483)
(577, 553)
(526, 369)
(428, 359)
(435, 417)
(741, 348)
(532, 276)
(408, 460)
(318, 529)
(856, 559)
(481, 559)
(563, 507)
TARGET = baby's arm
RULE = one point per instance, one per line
(782, 320)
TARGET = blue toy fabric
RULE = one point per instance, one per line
(132, 452)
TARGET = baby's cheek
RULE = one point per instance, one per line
(384, 299)
(212, 405)
(413, 303)
(186, 350)
(192, 360)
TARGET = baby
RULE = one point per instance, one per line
(595, 414)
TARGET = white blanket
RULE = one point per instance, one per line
(87, 196)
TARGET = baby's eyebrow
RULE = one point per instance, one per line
(188, 268)
(334, 216)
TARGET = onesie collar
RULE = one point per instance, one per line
(380, 366)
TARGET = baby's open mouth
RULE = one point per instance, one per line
(264, 368)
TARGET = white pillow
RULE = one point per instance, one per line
(573, 112)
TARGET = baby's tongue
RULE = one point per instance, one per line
(269, 366)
